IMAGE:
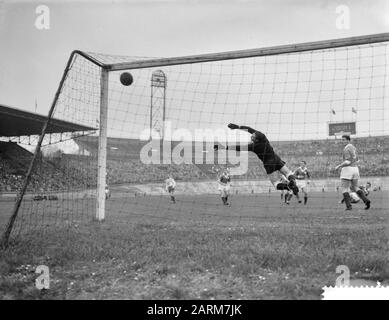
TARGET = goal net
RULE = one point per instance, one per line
(167, 121)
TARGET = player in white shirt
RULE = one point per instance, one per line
(349, 174)
(224, 181)
(170, 186)
(107, 192)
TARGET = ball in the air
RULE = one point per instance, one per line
(126, 78)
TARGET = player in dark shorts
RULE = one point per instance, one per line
(355, 195)
(272, 163)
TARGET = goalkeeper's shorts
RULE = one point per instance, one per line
(349, 173)
(272, 163)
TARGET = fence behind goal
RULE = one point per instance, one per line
(167, 121)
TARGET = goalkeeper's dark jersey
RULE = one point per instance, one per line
(264, 151)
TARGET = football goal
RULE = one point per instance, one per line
(151, 118)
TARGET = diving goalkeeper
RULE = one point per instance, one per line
(272, 163)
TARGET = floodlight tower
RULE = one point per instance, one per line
(158, 99)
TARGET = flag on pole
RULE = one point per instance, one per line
(353, 110)
(333, 111)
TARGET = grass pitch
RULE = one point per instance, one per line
(148, 248)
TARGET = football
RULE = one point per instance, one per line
(126, 79)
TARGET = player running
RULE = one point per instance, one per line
(349, 174)
(170, 185)
(366, 188)
(286, 193)
(224, 181)
(107, 192)
(354, 196)
(272, 163)
(302, 179)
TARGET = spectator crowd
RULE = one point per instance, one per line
(70, 172)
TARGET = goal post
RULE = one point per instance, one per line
(102, 147)
(287, 91)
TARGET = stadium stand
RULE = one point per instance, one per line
(71, 171)
(320, 155)
(46, 175)
(15, 160)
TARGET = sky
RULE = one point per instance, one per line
(32, 60)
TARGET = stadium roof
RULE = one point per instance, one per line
(15, 122)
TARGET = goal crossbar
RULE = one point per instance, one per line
(241, 54)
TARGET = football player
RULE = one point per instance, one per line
(224, 181)
(302, 179)
(272, 162)
(349, 174)
(170, 186)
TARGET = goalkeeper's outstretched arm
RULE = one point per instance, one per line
(247, 147)
(235, 126)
